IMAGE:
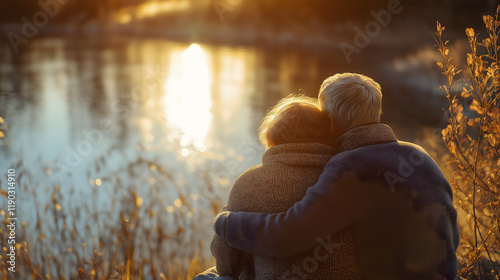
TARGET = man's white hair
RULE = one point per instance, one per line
(351, 100)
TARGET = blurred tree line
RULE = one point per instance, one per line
(68, 10)
(278, 12)
(331, 11)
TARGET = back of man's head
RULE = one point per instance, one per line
(351, 100)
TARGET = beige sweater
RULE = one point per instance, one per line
(284, 176)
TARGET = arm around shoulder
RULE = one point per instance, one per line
(337, 200)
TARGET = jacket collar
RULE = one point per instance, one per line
(364, 135)
(299, 154)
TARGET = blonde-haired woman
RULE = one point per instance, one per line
(296, 134)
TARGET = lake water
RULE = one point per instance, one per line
(83, 112)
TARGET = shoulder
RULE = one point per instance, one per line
(379, 152)
(374, 160)
(247, 178)
(245, 187)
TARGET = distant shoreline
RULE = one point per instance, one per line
(323, 39)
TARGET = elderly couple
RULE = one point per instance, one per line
(337, 196)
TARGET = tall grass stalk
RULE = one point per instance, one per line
(148, 227)
(473, 141)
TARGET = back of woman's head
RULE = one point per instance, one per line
(295, 119)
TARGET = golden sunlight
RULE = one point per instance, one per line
(187, 101)
(151, 9)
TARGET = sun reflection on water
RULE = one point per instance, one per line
(187, 101)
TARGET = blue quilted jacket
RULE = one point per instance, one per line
(392, 192)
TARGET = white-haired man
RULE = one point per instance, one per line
(392, 192)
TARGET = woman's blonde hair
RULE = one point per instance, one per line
(295, 119)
